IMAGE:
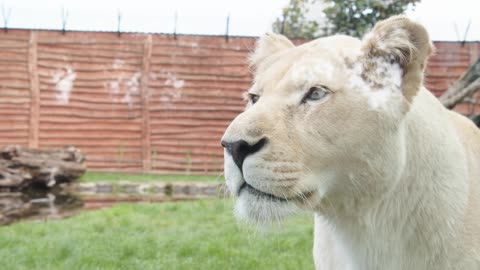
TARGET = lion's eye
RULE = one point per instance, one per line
(253, 98)
(316, 93)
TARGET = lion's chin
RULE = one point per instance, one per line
(260, 210)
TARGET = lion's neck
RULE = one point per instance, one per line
(404, 209)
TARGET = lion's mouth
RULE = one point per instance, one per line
(247, 187)
(250, 189)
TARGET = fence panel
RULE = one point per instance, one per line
(196, 86)
(14, 88)
(144, 103)
(90, 97)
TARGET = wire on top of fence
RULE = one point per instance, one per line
(6, 12)
(65, 16)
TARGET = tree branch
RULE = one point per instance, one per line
(464, 87)
(457, 93)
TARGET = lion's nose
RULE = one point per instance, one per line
(241, 149)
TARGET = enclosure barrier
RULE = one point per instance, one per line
(152, 103)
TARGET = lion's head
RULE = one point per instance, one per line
(322, 119)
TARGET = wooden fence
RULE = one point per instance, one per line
(140, 102)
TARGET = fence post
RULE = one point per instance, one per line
(119, 21)
(175, 26)
(474, 52)
(34, 90)
(227, 28)
(146, 151)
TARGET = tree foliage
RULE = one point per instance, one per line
(293, 23)
(355, 17)
(351, 17)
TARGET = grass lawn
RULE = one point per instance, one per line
(113, 177)
(184, 235)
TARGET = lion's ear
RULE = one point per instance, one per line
(268, 45)
(405, 42)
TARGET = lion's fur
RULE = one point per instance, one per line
(392, 177)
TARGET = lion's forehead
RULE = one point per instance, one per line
(299, 74)
(322, 61)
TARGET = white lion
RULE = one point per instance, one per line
(344, 128)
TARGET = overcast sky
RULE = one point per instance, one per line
(248, 17)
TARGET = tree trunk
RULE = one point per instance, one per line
(22, 167)
(464, 87)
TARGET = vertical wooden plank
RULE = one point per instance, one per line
(474, 52)
(146, 151)
(34, 91)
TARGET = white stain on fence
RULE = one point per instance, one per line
(63, 80)
(114, 87)
(173, 81)
(174, 89)
(125, 86)
(132, 88)
(195, 47)
(118, 63)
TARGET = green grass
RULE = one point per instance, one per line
(186, 235)
(114, 177)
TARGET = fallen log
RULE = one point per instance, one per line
(22, 167)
